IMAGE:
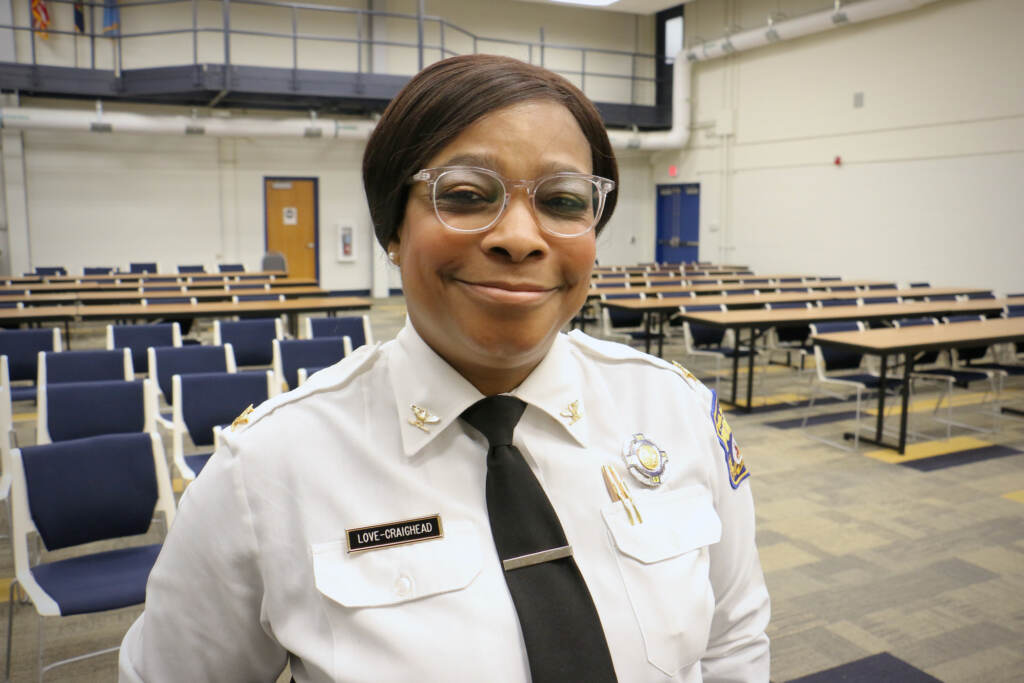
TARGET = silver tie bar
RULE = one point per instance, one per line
(537, 558)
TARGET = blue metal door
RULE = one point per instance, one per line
(678, 223)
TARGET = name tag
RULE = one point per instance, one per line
(394, 533)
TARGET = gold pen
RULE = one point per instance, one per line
(618, 492)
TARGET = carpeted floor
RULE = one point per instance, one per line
(872, 559)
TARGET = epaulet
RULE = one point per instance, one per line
(613, 351)
(331, 378)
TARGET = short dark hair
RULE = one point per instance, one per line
(443, 100)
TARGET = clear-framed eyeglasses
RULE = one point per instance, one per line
(472, 199)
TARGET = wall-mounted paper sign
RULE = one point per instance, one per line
(290, 216)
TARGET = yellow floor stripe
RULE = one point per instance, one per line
(24, 417)
(5, 588)
(178, 484)
(928, 449)
(1017, 496)
(927, 404)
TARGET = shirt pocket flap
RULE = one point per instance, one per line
(673, 524)
(397, 574)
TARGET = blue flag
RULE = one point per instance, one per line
(111, 18)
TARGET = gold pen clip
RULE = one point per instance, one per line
(618, 492)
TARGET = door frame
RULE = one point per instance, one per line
(316, 216)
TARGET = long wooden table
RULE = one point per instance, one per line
(205, 309)
(135, 295)
(99, 286)
(908, 341)
(759, 321)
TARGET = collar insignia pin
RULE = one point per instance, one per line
(572, 413)
(644, 460)
(422, 417)
(242, 419)
(686, 373)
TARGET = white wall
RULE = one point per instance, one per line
(932, 164)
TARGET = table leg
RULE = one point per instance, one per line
(735, 366)
(880, 419)
(661, 334)
(647, 332)
(750, 369)
(908, 365)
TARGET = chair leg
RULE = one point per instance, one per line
(10, 627)
(856, 429)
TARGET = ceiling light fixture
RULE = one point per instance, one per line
(589, 3)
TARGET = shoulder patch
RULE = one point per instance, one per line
(334, 377)
(727, 440)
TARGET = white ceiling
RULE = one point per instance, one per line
(631, 6)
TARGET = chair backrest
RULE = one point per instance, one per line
(355, 327)
(912, 322)
(920, 284)
(74, 410)
(162, 288)
(611, 284)
(250, 339)
(167, 361)
(619, 318)
(230, 268)
(89, 365)
(274, 260)
(138, 338)
(883, 285)
(981, 295)
(179, 300)
(967, 318)
(839, 302)
(22, 349)
(192, 269)
(143, 267)
(257, 297)
(697, 335)
(97, 270)
(1015, 311)
(787, 304)
(941, 297)
(249, 286)
(830, 357)
(87, 490)
(842, 288)
(51, 270)
(203, 401)
(739, 292)
(292, 354)
(880, 300)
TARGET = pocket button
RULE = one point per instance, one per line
(403, 586)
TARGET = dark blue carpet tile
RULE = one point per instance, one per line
(771, 408)
(880, 668)
(796, 422)
(941, 462)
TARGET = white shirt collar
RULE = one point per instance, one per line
(419, 377)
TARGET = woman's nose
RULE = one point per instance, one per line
(517, 234)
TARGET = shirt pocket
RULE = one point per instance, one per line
(665, 569)
(397, 574)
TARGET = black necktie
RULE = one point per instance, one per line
(561, 628)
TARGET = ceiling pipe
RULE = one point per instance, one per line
(785, 29)
(679, 134)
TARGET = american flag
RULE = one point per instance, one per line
(40, 18)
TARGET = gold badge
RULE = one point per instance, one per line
(422, 417)
(645, 461)
(242, 419)
(572, 413)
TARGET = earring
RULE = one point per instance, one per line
(393, 257)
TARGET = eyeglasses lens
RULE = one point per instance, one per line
(470, 200)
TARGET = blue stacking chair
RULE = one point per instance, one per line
(22, 348)
(138, 338)
(51, 270)
(204, 403)
(230, 268)
(251, 339)
(192, 269)
(791, 338)
(90, 365)
(832, 360)
(167, 361)
(78, 492)
(840, 302)
(622, 323)
(706, 341)
(143, 267)
(880, 300)
(97, 270)
(920, 284)
(74, 410)
(355, 327)
(292, 354)
(941, 297)
(970, 296)
(257, 297)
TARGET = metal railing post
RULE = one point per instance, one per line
(583, 69)
(419, 32)
(542, 46)
(359, 43)
(295, 49)
(195, 32)
(226, 4)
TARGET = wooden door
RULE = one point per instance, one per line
(291, 223)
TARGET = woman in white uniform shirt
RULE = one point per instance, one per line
(257, 570)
